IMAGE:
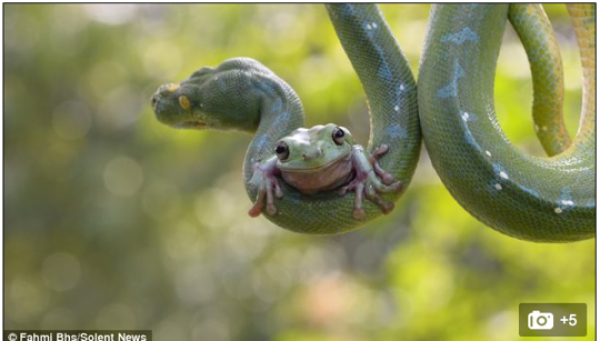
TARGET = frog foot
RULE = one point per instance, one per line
(370, 181)
(265, 178)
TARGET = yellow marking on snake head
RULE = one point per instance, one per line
(173, 87)
(184, 102)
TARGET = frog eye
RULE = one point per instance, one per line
(338, 136)
(282, 150)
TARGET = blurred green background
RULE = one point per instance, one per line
(114, 221)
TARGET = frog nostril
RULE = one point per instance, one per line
(317, 153)
(312, 154)
(154, 100)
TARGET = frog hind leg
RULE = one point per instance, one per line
(265, 178)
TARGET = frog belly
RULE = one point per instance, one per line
(321, 179)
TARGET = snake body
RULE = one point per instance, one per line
(527, 197)
(391, 93)
(539, 199)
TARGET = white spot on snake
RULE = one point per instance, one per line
(536, 127)
(401, 87)
(565, 200)
(465, 116)
(558, 210)
(498, 169)
(544, 128)
(396, 108)
(466, 34)
(498, 186)
(487, 152)
(395, 131)
(370, 26)
(369, 30)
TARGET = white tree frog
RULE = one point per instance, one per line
(323, 158)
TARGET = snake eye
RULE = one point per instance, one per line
(338, 136)
(282, 150)
(184, 102)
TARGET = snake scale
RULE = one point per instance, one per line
(543, 199)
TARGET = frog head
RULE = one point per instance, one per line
(313, 148)
(316, 159)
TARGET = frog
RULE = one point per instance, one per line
(320, 159)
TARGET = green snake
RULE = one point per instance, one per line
(533, 198)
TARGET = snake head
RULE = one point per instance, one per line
(180, 104)
(212, 98)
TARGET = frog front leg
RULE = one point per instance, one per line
(265, 179)
(370, 180)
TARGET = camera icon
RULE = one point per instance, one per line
(540, 321)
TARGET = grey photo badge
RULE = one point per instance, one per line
(552, 319)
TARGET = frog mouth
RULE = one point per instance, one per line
(330, 164)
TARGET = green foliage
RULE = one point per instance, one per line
(116, 221)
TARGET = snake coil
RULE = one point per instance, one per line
(533, 198)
